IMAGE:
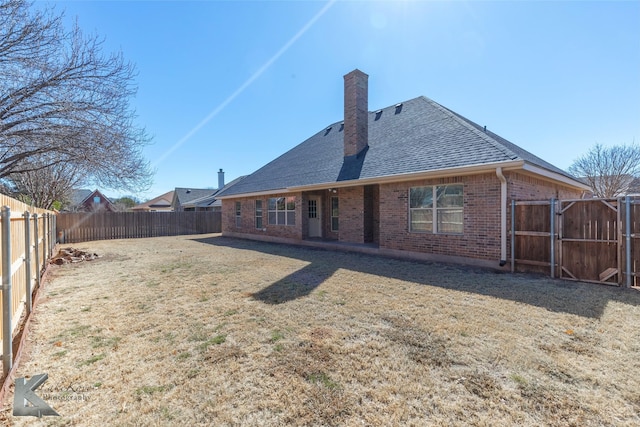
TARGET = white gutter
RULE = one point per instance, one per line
(503, 216)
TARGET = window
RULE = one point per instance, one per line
(96, 199)
(238, 214)
(445, 217)
(258, 213)
(334, 214)
(313, 208)
(282, 211)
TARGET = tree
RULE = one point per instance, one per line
(125, 203)
(64, 104)
(609, 171)
(48, 184)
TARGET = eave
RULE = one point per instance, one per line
(434, 173)
(510, 165)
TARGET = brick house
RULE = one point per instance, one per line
(414, 179)
(89, 201)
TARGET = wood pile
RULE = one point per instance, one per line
(70, 255)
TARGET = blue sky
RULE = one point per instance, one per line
(234, 84)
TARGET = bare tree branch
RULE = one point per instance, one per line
(609, 171)
(62, 100)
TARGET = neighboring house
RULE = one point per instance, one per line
(181, 196)
(210, 202)
(413, 179)
(89, 201)
(159, 204)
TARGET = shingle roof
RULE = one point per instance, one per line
(162, 201)
(185, 195)
(210, 199)
(78, 196)
(418, 135)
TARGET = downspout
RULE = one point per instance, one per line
(503, 217)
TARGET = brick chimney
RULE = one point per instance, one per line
(356, 112)
(220, 179)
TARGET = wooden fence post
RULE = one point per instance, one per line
(37, 243)
(27, 260)
(44, 238)
(513, 235)
(627, 239)
(7, 350)
(552, 232)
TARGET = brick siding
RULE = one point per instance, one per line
(481, 193)
(248, 222)
(387, 219)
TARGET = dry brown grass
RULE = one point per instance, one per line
(212, 331)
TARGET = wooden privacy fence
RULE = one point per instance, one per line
(83, 227)
(27, 242)
(592, 240)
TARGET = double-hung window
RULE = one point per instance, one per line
(282, 211)
(258, 213)
(238, 214)
(436, 209)
(334, 214)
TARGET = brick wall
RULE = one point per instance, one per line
(526, 187)
(389, 214)
(351, 215)
(248, 224)
(481, 236)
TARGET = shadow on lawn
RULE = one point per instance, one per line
(582, 299)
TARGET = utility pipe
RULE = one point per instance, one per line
(503, 216)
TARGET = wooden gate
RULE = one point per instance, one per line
(592, 240)
(588, 240)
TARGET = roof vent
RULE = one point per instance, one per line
(398, 108)
(188, 190)
(341, 127)
(378, 114)
(326, 132)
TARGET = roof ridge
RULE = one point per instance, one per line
(467, 123)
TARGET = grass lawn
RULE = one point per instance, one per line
(205, 330)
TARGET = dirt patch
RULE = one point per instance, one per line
(207, 330)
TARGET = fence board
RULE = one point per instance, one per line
(590, 243)
(82, 227)
(532, 230)
(20, 251)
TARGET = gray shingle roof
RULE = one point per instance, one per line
(185, 195)
(78, 196)
(418, 135)
(210, 199)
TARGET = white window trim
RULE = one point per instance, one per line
(331, 213)
(435, 209)
(238, 215)
(285, 210)
(261, 216)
